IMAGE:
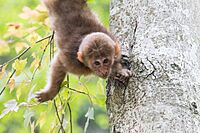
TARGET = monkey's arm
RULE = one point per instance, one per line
(119, 70)
(55, 80)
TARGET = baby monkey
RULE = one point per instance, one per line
(84, 46)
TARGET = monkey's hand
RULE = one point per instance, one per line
(45, 95)
(123, 75)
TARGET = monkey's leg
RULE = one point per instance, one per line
(52, 88)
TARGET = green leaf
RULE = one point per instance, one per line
(34, 64)
(20, 89)
(19, 66)
(27, 117)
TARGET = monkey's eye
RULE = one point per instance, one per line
(97, 63)
(105, 61)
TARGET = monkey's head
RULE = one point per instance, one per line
(98, 52)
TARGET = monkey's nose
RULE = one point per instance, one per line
(105, 74)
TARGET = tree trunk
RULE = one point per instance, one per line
(160, 37)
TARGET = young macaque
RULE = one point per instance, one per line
(84, 46)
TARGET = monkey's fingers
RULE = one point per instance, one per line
(41, 96)
(123, 75)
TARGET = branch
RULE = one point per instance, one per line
(7, 82)
(20, 55)
(70, 116)
(40, 62)
(43, 39)
(52, 49)
(81, 92)
(88, 94)
(60, 121)
(17, 57)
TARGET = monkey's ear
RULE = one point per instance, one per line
(117, 50)
(80, 56)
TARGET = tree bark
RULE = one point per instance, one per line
(160, 38)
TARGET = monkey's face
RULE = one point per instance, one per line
(101, 66)
(100, 61)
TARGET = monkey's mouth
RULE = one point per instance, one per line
(103, 75)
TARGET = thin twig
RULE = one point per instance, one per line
(68, 105)
(43, 39)
(40, 62)
(52, 48)
(70, 116)
(61, 124)
(88, 94)
(23, 37)
(50, 51)
(7, 82)
(18, 56)
(77, 91)
(68, 81)
(60, 99)
(26, 50)
(81, 92)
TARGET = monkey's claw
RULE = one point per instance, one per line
(123, 75)
(43, 96)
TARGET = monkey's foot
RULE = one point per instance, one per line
(123, 75)
(43, 95)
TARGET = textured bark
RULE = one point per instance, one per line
(161, 39)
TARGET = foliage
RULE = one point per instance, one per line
(26, 49)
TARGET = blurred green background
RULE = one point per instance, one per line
(22, 23)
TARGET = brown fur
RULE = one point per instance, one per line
(82, 42)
